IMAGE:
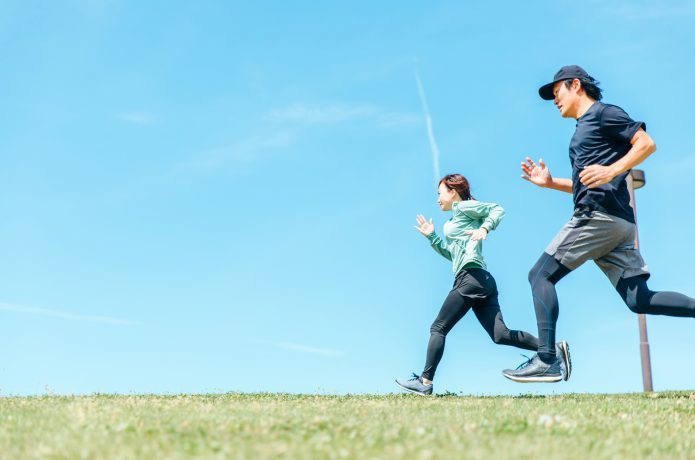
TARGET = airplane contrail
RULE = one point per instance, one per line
(430, 132)
(65, 315)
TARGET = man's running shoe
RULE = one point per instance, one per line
(415, 385)
(535, 370)
(562, 349)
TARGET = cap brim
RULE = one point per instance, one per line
(546, 91)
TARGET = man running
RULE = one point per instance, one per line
(606, 145)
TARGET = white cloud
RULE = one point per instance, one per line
(302, 114)
(312, 115)
(394, 119)
(223, 158)
(229, 155)
(305, 349)
(138, 118)
(248, 150)
(661, 10)
(65, 315)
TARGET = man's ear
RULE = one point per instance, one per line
(576, 84)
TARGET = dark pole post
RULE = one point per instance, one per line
(636, 179)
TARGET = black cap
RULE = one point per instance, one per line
(566, 73)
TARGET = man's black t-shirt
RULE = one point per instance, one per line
(603, 137)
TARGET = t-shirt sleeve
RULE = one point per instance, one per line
(618, 125)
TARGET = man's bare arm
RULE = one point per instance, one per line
(539, 174)
(642, 146)
(561, 184)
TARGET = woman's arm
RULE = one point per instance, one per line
(495, 214)
(490, 213)
(427, 229)
(439, 245)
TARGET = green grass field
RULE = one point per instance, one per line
(659, 425)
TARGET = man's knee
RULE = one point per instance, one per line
(638, 304)
(438, 328)
(535, 272)
(635, 293)
(547, 268)
(501, 337)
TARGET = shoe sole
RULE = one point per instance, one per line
(413, 391)
(564, 348)
(540, 379)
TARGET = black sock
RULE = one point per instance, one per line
(547, 358)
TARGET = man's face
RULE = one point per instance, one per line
(566, 99)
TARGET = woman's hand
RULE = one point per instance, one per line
(424, 227)
(479, 234)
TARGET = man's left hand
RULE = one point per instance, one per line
(595, 175)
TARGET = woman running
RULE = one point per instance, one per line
(474, 288)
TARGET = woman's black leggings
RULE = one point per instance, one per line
(473, 288)
(634, 292)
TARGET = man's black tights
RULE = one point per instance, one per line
(634, 292)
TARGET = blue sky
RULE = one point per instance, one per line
(219, 196)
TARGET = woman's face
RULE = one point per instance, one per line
(446, 197)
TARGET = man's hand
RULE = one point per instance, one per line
(642, 146)
(424, 227)
(476, 235)
(538, 174)
(595, 175)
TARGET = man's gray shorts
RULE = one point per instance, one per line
(607, 240)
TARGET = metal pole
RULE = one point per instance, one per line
(635, 180)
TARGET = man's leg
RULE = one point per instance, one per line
(543, 277)
(588, 235)
(545, 365)
(628, 273)
(640, 299)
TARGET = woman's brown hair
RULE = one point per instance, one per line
(459, 184)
